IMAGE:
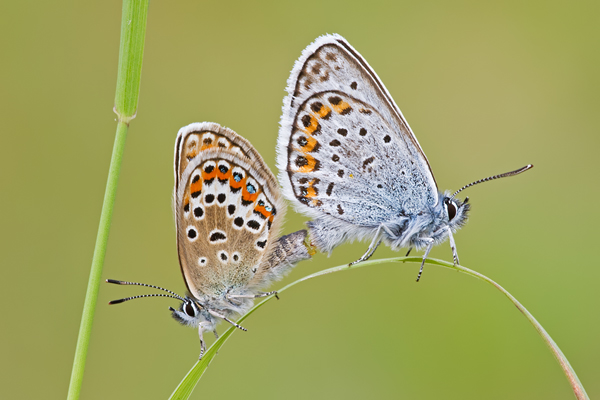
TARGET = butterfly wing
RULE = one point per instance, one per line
(227, 208)
(344, 148)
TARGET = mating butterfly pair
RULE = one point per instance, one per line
(347, 158)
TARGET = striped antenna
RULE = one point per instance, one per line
(491, 178)
(116, 282)
(142, 296)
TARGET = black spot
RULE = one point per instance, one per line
(268, 224)
(231, 209)
(221, 198)
(223, 256)
(302, 181)
(306, 120)
(221, 144)
(365, 111)
(209, 168)
(239, 221)
(341, 173)
(387, 138)
(236, 257)
(222, 181)
(342, 131)
(354, 85)
(217, 236)
(198, 212)
(339, 209)
(362, 132)
(329, 189)
(302, 141)
(195, 178)
(316, 107)
(346, 110)
(246, 202)
(379, 185)
(261, 244)
(234, 190)
(368, 161)
(301, 161)
(335, 100)
(334, 143)
(191, 233)
(252, 224)
(223, 169)
(335, 157)
(196, 194)
(186, 208)
(209, 198)
(209, 181)
(303, 190)
(207, 141)
(317, 166)
(316, 69)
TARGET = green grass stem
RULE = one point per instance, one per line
(189, 382)
(133, 31)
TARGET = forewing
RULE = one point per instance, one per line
(344, 147)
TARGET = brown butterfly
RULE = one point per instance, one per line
(228, 212)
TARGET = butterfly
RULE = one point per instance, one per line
(348, 159)
(228, 213)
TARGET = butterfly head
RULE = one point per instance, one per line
(456, 211)
(189, 312)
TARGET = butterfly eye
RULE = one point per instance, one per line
(189, 309)
(451, 206)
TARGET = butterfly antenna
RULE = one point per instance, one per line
(116, 282)
(142, 296)
(491, 178)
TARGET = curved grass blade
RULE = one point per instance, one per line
(189, 382)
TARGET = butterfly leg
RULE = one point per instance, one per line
(408, 252)
(453, 247)
(216, 314)
(372, 247)
(201, 327)
(427, 250)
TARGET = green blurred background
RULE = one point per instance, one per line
(487, 87)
